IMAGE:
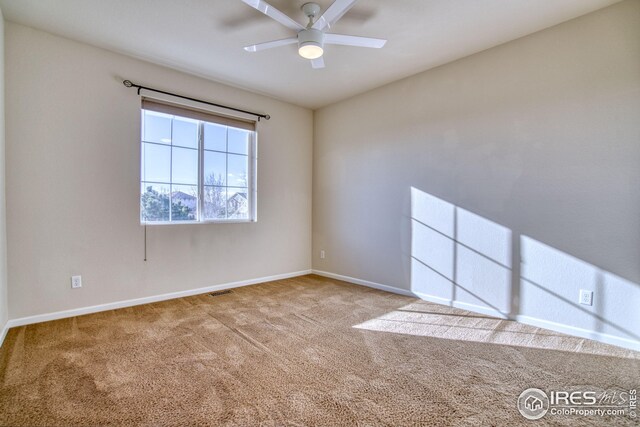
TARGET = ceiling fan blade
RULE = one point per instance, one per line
(268, 45)
(317, 63)
(333, 13)
(353, 40)
(274, 13)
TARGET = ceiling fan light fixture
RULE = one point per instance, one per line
(310, 51)
(310, 43)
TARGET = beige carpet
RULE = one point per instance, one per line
(303, 351)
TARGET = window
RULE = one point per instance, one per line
(195, 166)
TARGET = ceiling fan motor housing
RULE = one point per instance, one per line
(310, 37)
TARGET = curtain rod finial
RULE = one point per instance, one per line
(268, 117)
(127, 83)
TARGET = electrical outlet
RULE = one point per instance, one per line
(586, 297)
(76, 282)
(321, 254)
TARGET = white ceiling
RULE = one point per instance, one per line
(205, 37)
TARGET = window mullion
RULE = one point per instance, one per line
(253, 170)
(171, 174)
(200, 171)
(226, 178)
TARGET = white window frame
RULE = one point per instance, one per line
(190, 110)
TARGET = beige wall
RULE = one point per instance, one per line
(73, 183)
(4, 304)
(525, 165)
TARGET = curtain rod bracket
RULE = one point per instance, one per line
(128, 83)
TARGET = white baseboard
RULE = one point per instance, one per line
(146, 300)
(431, 298)
(558, 327)
(3, 333)
(463, 305)
(364, 283)
(480, 309)
(579, 332)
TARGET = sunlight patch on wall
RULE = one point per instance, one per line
(463, 260)
(550, 284)
(458, 256)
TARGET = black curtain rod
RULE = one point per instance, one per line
(128, 83)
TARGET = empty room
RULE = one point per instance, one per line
(326, 213)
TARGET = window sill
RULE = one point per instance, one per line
(223, 221)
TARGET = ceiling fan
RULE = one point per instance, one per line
(312, 38)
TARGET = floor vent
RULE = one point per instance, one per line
(216, 294)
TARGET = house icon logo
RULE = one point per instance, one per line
(533, 403)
